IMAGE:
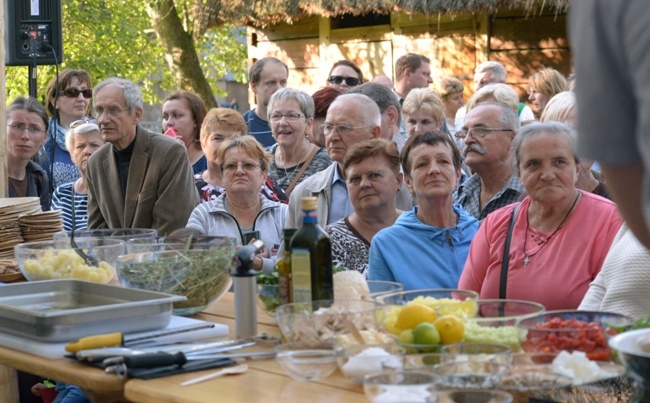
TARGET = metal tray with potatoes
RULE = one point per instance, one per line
(62, 310)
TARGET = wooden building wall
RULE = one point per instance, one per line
(455, 45)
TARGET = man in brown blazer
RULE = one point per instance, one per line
(139, 179)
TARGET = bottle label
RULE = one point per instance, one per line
(284, 289)
(301, 275)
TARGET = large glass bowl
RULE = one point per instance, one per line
(316, 322)
(554, 331)
(379, 288)
(495, 321)
(123, 234)
(200, 275)
(52, 260)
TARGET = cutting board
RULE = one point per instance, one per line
(57, 350)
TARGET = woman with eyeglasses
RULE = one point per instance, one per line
(67, 99)
(242, 212)
(81, 141)
(344, 75)
(291, 115)
(26, 130)
(219, 126)
(427, 246)
(182, 116)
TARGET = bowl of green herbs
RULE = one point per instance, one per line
(197, 271)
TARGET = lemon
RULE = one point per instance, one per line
(451, 329)
(413, 314)
(406, 337)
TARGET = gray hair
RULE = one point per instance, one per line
(531, 130)
(368, 109)
(559, 108)
(304, 100)
(30, 105)
(83, 128)
(495, 67)
(255, 72)
(503, 94)
(382, 95)
(508, 117)
(132, 93)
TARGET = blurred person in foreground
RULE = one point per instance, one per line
(82, 140)
(373, 178)
(545, 264)
(139, 179)
(183, 112)
(219, 126)
(242, 209)
(427, 246)
(26, 131)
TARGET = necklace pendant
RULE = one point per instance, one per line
(526, 262)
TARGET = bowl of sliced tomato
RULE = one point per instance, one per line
(554, 331)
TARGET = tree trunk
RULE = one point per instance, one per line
(179, 50)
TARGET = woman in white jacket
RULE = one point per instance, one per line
(242, 212)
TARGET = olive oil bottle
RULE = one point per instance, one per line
(284, 269)
(311, 258)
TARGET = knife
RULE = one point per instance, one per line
(155, 360)
(120, 339)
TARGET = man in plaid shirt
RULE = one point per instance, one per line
(488, 132)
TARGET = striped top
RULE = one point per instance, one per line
(62, 200)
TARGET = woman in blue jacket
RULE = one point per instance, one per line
(427, 246)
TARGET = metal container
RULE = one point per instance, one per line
(63, 310)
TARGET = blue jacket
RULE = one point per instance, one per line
(420, 256)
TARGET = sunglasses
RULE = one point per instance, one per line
(349, 81)
(82, 121)
(74, 93)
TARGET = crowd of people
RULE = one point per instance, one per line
(412, 184)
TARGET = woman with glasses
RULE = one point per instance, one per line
(81, 141)
(552, 245)
(67, 99)
(427, 246)
(26, 131)
(219, 126)
(344, 75)
(242, 212)
(182, 116)
(291, 115)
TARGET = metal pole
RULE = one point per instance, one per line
(32, 81)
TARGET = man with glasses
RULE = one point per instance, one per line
(487, 134)
(139, 179)
(266, 76)
(351, 118)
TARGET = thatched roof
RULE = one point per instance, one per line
(209, 13)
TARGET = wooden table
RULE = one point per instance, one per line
(264, 382)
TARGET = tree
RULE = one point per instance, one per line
(131, 39)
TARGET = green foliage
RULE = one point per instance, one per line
(116, 38)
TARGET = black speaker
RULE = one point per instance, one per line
(32, 29)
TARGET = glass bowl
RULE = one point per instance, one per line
(326, 320)
(470, 374)
(202, 276)
(469, 352)
(52, 260)
(123, 234)
(553, 331)
(633, 349)
(495, 321)
(357, 361)
(378, 288)
(154, 244)
(417, 362)
(472, 396)
(268, 298)
(306, 363)
(399, 386)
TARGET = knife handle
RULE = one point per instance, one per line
(154, 360)
(99, 341)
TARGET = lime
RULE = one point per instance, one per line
(426, 333)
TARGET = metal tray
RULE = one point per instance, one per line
(63, 310)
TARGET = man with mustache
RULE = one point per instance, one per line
(488, 133)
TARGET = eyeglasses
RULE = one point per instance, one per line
(246, 166)
(349, 81)
(110, 111)
(343, 130)
(74, 93)
(21, 127)
(291, 117)
(82, 121)
(478, 132)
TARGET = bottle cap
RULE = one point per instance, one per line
(309, 203)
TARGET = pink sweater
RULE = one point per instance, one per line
(559, 275)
